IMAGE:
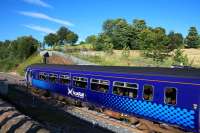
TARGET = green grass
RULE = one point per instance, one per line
(36, 58)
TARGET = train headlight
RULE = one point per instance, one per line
(195, 106)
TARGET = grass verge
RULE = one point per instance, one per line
(36, 58)
(116, 59)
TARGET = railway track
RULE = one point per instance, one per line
(102, 119)
(107, 120)
(12, 120)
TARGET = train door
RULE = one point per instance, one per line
(99, 90)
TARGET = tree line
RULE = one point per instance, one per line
(155, 42)
(136, 35)
(13, 52)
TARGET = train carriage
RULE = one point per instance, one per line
(166, 95)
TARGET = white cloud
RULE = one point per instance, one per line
(46, 17)
(38, 3)
(40, 28)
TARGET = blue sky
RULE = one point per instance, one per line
(85, 17)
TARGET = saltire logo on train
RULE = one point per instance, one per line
(75, 93)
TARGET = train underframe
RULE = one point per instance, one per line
(135, 122)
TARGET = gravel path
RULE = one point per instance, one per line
(75, 60)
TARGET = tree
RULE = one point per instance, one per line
(179, 58)
(155, 44)
(108, 48)
(126, 37)
(27, 45)
(126, 52)
(4, 50)
(117, 30)
(15, 51)
(51, 39)
(91, 39)
(62, 32)
(71, 38)
(82, 42)
(121, 33)
(102, 41)
(139, 24)
(175, 40)
(66, 36)
(192, 39)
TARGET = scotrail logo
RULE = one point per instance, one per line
(76, 94)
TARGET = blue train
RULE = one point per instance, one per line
(166, 95)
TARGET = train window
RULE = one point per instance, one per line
(100, 85)
(53, 77)
(80, 82)
(148, 92)
(170, 95)
(64, 79)
(125, 89)
(43, 76)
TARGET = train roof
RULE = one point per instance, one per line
(179, 72)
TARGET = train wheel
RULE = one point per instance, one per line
(78, 103)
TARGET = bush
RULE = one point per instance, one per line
(126, 52)
(108, 48)
(179, 58)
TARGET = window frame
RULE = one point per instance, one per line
(152, 93)
(79, 79)
(55, 76)
(117, 85)
(126, 87)
(99, 84)
(65, 75)
(165, 88)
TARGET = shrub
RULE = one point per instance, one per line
(126, 52)
(179, 58)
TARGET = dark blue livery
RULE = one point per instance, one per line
(166, 95)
